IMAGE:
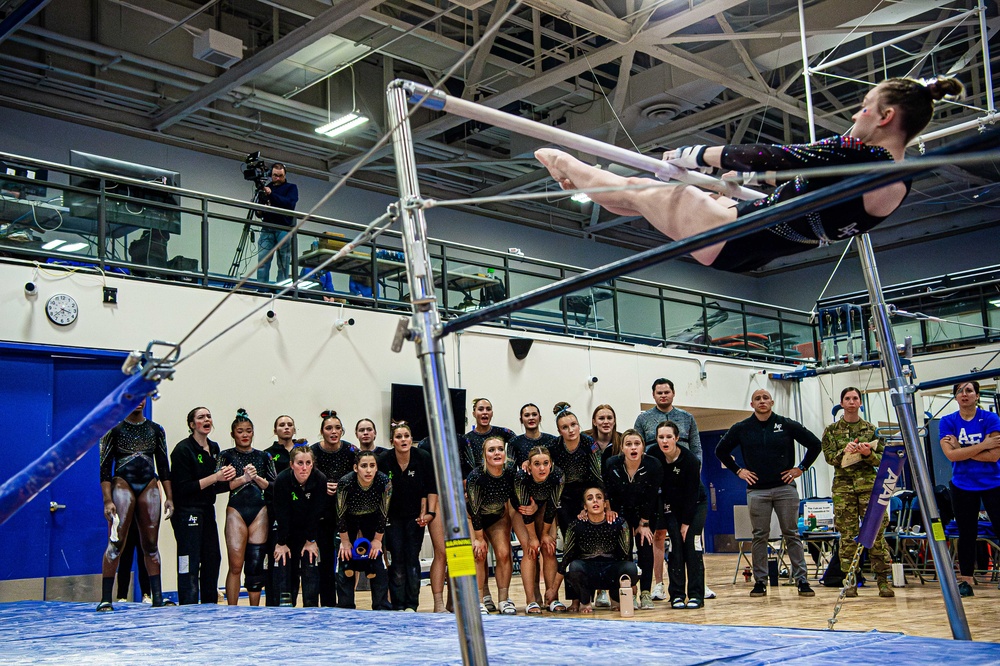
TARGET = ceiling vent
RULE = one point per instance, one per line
(661, 112)
(218, 48)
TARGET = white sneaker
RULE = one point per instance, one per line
(658, 594)
(603, 600)
(709, 594)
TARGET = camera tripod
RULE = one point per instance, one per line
(246, 237)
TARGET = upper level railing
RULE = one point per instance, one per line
(57, 213)
(939, 313)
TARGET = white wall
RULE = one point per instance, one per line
(300, 364)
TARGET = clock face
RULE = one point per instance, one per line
(62, 310)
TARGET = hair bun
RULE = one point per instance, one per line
(328, 414)
(240, 412)
(943, 87)
(560, 407)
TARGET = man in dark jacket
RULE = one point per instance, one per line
(279, 194)
(767, 442)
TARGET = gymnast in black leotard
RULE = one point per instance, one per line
(892, 113)
(246, 514)
(471, 449)
(489, 490)
(520, 445)
(132, 454)
(363, 497)
(335, 458)
(536, 497)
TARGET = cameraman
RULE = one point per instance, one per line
(280, 194)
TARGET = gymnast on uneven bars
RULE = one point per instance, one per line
(892, 113)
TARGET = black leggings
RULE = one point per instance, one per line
(966, 504)
(686, 564)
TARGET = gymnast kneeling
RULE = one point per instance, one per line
(597, 553)
(892, 113)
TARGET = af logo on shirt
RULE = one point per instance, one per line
(777, 427)
(966, 439)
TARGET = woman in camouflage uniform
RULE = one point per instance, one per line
(852, 485)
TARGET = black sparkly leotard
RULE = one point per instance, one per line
(249, 498)
(842, 220)
(470, 446)
(580, 469)
(635, 497)
(135, 452)
(591, 541)
(488, 495)
(280, 456)
(334, 465)
(519, 446)
(363, 510)
(546, 494)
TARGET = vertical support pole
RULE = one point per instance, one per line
(901, 393)
(426, 327)
(987, 67)
(806, 73)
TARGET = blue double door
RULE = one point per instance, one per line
(52, 547)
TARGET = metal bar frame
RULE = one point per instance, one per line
(901, 393)
(425, 325)
(437, 100)
(427, 331)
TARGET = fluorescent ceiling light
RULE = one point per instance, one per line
(53, 244)
(580, 198)
(73, 247)
(343, 124)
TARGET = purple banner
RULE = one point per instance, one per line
(885, 485)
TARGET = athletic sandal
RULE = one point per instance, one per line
(677, 603)
(507, 607)
(105, 607)
(695, 603)
(482, 610)
(533, 609)
(488, 602)
(556, 606)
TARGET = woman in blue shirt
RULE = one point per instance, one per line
(970, 438)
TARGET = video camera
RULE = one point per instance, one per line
(255, 169)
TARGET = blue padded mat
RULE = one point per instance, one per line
(36, 632)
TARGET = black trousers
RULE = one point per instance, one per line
(198, 556)
(272, 585)
(285, 577)
(328, 541)
(379, 586)
(403, 539)
(686, 556)
(966, 504)
(599, 574)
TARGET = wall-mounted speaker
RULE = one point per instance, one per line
(520, 347)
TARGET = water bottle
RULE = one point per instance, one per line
(626, 602)
(812, 521)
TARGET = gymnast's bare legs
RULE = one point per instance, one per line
(678, 211)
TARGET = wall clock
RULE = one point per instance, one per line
(62, 309)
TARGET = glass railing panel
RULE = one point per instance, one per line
(959, 320)
(686, 322)
(798, 342)
(639, 315)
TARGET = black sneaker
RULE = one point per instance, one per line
(965, 590)
(759, 590)
(805, 590)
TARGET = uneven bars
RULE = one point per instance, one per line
(755, 221)
(36, 477)
(663, 170)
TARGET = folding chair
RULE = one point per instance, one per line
(743, 530)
